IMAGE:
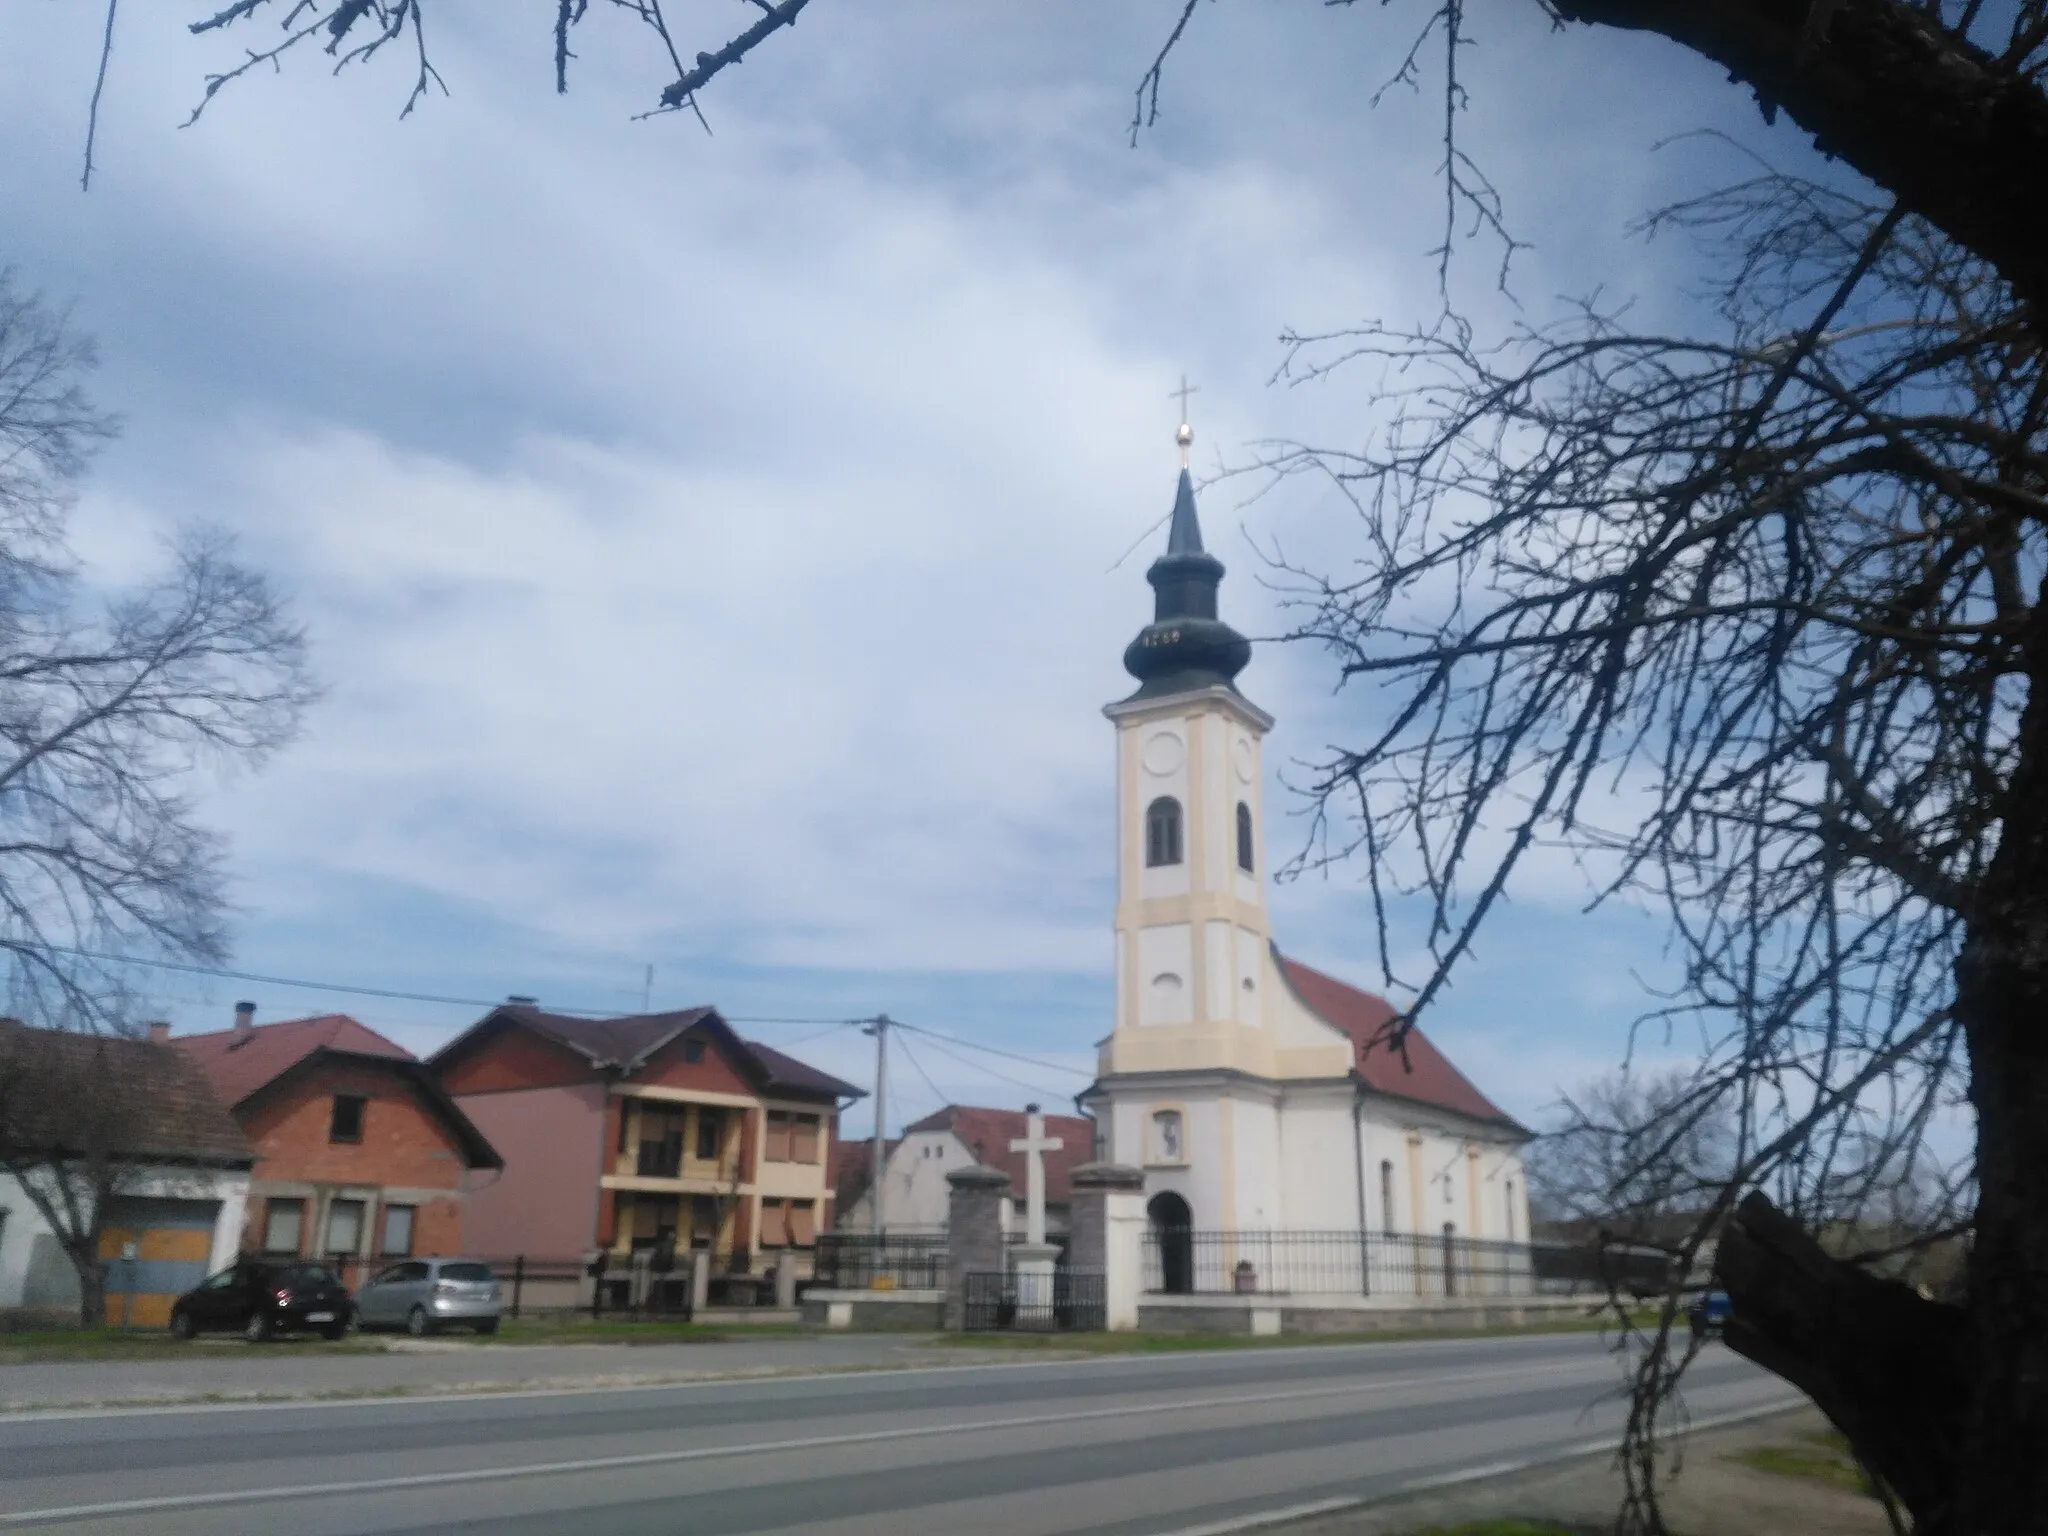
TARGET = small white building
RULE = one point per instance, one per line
(1256, 1092)
(915, 1194)
(174, 1214)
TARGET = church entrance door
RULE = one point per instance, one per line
(1171, 1223)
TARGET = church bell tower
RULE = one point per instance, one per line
(1192, 937)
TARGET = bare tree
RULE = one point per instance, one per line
(106, 708)
(1750, 623)
(1634, 1150)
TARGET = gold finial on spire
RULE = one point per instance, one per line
(1185, 434)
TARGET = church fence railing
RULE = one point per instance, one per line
(865, 1261)
(1066, 1301)
(1196, 1261)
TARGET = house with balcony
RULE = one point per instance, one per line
(661, 1132)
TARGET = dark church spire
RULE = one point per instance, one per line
(1186, 646)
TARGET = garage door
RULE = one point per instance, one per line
(154, 1252)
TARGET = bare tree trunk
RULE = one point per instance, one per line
(92, 1283)
(1949, 1406)
(2002, 1003)
(1891, 1369)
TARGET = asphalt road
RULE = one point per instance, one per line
(1103, 1447)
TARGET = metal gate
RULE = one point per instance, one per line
(1077, 1303)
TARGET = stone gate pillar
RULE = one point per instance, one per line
(974, 1233)
(1107, 1226)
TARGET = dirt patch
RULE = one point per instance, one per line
(1782, 1476)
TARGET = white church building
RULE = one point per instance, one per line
(1253, 1091)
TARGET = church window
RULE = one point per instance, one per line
(1511, 1207)
(1162, 832)
(1166, 1129)
(1244, 837)
(1387, 1195)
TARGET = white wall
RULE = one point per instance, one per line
(23, 1223)
(916, 1193)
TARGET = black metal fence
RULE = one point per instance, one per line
(1063, 1301)
(1181, 1260)
(857, 1261)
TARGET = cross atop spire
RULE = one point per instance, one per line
(1185, 433)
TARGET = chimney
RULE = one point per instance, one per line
(245, 1020)
(159, 1032)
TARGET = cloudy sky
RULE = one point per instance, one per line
(711, 543)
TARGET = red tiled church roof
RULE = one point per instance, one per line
(240, 1062)
(987, 1133)
(1426, 1077)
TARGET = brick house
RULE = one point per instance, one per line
(360, 1154)
(649, 1131)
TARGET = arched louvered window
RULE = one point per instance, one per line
(1244, 837)
(1162, 832)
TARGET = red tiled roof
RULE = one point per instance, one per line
(239, 1064)
(853, 1169)
(149, 1102)
(624, 1044)
(787, 1072)
(989, 1132)
(1426, 1076)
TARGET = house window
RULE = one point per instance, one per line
(661, 1143)
(803, 1223)
(344, 1227)
(1387, 1196)
(1162, 832)
(710, 1133)
(774, 1224)
(345, 1122)
(1244, 837)
(693, 1050)
(803, 1138)
(777, 1149)
(397, 1230)
(1166, 1129)
(283, 1220)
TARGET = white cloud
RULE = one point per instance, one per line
(707, 540)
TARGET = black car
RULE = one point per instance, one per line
(259, 1298)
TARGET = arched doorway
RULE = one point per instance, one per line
(1171, 1220)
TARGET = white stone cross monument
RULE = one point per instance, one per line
(1034, 1257)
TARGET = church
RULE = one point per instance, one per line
(1239, 1080)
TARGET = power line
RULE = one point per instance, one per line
(975, 1045)
(1039, 1088)
(302, 983)
(912, 1057)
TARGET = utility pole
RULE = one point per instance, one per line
(879, 1028)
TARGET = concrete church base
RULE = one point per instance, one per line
(1353, 1314)
(876, 1311)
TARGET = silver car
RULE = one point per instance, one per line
(424, 1295)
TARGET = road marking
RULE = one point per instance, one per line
(375, 1397)
(711, 1452)
(1289, 1514)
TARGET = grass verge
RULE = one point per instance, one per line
(1141, 1343)
(1822, 1457)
